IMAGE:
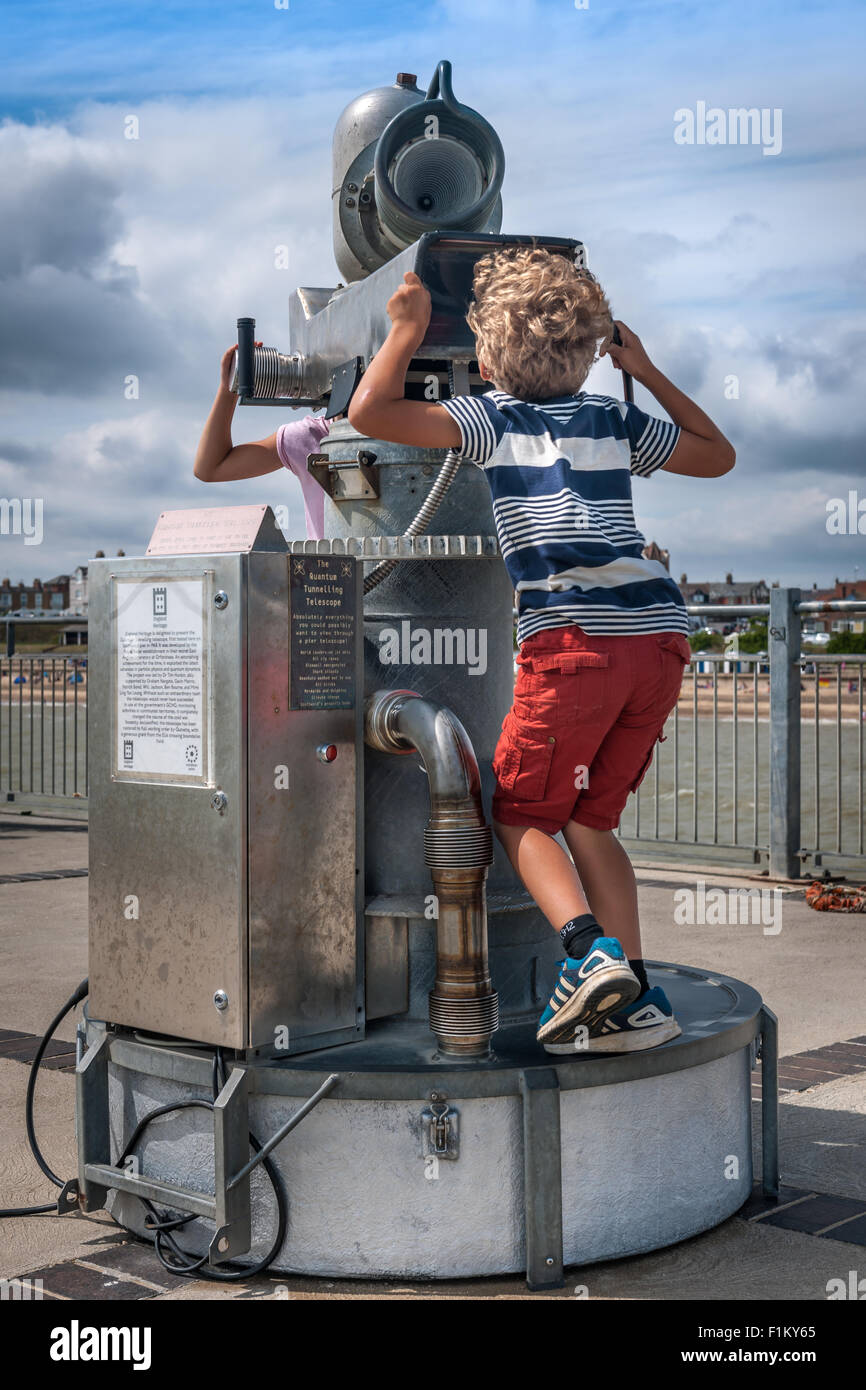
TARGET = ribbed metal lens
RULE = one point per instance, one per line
(439, 178)
(275, 374)
(437, 167)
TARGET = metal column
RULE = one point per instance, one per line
(769, 1102)
(784, 648)
(542, 1167)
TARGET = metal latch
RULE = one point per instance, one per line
(345, 479)
(440, 1137)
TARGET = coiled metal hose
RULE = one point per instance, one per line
(419, 524)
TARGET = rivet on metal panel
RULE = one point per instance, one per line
(221, 599)
(221, 1000)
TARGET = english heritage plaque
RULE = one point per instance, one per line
(322, 621)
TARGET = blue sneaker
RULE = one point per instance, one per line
(587, 991)
(648, 1022)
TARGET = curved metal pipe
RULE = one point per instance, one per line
(458, 849)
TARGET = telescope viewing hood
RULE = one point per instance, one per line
(405, 164)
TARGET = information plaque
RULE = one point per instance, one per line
(160, 680)
(207, 530)
(323, 612)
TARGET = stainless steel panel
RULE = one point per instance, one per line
(261, 899)
(305, 884)
(387, 965)
(168, 879)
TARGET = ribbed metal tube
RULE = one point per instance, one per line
(464, 1008)
(275, 374)
(422, 519)
(458, 847)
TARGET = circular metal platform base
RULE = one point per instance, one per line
(653, 1146)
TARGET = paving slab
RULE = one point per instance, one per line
(31, 844)
(43, 929)
(823, 1138)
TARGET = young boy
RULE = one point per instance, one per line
(601, 629)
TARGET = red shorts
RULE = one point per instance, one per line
(587, 714)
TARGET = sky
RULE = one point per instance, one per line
(744, 272)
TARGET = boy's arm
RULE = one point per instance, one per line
(701, 451)
(216, 460)
(379, 408)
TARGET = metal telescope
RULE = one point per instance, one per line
(417, 183)
(295, 901)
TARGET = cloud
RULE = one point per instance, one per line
(68, 308)
(134, 257)
(61, 201)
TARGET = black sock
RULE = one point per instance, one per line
(578, 935)
(640, 970)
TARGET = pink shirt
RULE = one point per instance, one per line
(294, 443)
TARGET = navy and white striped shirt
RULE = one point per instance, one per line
(560, 474)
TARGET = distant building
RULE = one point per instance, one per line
(78, 590)
(653, 551)
(43, 596)
(727, 592)
(64, 593)
(834, 622)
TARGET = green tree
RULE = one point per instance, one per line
(847, 643)
(754, 639)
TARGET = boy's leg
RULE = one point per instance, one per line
(596, 878)
(548, 874)
(601, 862)
(605, 871)
(595, 977)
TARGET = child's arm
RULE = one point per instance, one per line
(379, 408)
(216, 460)
(701, 451)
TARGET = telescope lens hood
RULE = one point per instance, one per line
(439, 166)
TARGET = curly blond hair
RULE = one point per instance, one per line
(537, 320)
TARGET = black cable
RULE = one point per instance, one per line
(72, 1002)
(29, 1211)
(161, 1227)
(183, 1264)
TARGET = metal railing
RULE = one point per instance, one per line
(762, 761)
(43, 723)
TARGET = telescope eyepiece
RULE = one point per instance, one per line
(406, 163)
(439, 167)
